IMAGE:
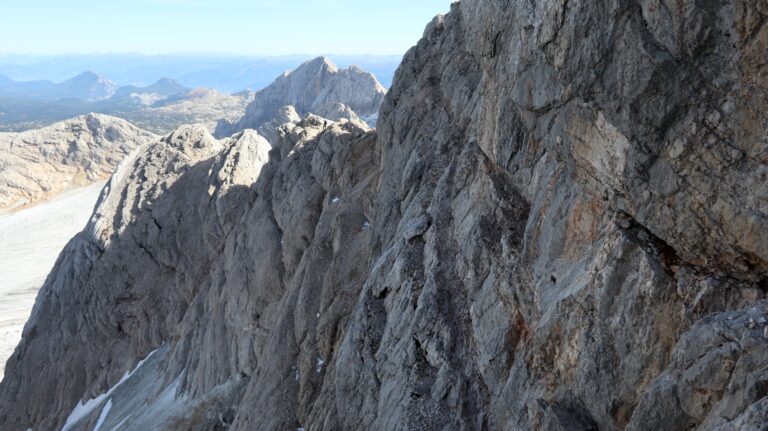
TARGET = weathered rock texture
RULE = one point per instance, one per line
(560, 224)
(317, 87)
(200, 106)
(39, 164)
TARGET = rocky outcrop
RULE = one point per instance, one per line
(558, 224)
(201, 106)
(129, 222)
(333, 112)
(316, 87)
(39, 164)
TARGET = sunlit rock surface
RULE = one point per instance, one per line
(559, 224)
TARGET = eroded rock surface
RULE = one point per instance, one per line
(38, 164)
(558, 225)
(317, 87)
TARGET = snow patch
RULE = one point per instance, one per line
(319, 365)
(31, 240)
(121, 423)
(103, 415)
(82, 410)
(334, 200)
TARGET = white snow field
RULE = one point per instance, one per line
(30, 241)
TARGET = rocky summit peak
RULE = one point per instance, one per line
(89, 77)
(166, 86)
(166, 81)
(317, 65)
(312, 88)
(192, 138)
(88, 85)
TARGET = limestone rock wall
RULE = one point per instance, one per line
(557, 225)
(38, 164)
(316, 87)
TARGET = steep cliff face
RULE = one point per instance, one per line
(38, 164)
(559, 224)
(316, 87)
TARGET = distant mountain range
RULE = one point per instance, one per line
(318, 87)
(166, 104)
(165, 87)
(159, 107)
(88, 86)
(225, 73)
(36, 165)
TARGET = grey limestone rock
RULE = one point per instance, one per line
(559, 223)
(317, 87)
(38, 164)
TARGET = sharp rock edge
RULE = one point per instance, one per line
(316, 87)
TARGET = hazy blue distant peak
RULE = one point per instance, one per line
(90, 74)
(88, 85)
(163, 87)
(166, 81)
(89, 77)
(225, 73)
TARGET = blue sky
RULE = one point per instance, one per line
(254, 27)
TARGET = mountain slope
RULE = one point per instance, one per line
(523, 243)
(164, 87)
(39, 164)
(199, 106)
(225, 73)
(314, 87)
(88, 86)
(149, 110)
(30, 243)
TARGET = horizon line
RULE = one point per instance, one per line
(196, 53)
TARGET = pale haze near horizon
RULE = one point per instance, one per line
(224, 26)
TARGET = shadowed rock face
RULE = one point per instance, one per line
(38, 164)
(316, 87)
(557, 225)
